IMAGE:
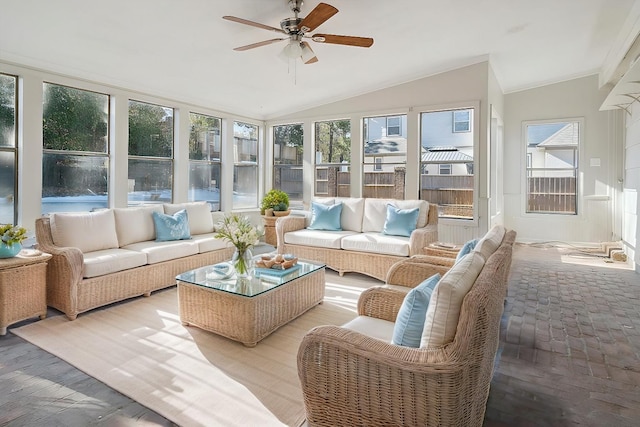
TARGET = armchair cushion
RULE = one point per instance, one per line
(444, 308)
(400, 222)
(325, 217)
(411, 317)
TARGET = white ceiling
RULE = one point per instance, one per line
(183, 50)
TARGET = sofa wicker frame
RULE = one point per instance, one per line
(349, 378)
(343, 261)
(72, 294)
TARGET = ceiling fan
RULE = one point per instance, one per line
(296, 30)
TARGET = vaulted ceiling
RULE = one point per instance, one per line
(183, 50)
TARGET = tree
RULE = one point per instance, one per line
(333, 140)
(150, 130)
(7, 110)
(290, 136)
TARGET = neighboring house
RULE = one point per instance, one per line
(446, 161)
(385, 144)
(552, 149)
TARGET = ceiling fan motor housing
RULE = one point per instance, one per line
(290, 25)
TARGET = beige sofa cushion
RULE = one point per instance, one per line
(316, 238)
(352, 212)
(135, 224)
(372, 327)
(446, 301)
(208, 242)
(377, 243)
(107, 261)
(375, 212)
(164, 251)
(199, 213)
(87, 231)
(490, 241)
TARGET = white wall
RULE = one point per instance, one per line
(580, 99)
(631, 230)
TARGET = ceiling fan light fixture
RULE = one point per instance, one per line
(292, 49)
(307, 54)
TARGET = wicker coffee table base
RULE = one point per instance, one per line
(249, 319)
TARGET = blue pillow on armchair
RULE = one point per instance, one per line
(325, 217)
(407, 330)
(466, 248)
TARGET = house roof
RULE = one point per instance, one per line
(567, 136)
(387, 145)
(444, 155)
(184, 50)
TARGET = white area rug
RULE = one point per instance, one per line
(188, 375)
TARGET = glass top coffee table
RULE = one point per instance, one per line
(248, 309)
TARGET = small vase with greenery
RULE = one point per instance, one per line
(239, 231)
(275, 199)
(11, 238)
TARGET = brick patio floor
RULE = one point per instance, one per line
(570, 343)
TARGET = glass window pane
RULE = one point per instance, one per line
(150, 181)
(447, 163)
(7, 111)
(552, 167)
(7, 187)
(245, 171)
(333, 158)
(75, 119)
(287, 162)
(204, 138)
(204, 183)
(150, 130)
(385, 156)
(74, 183)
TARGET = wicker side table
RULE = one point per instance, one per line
(23, 288)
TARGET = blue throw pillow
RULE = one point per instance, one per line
(172, 227)
(400, 222)
(325, 217)
(466, 248)
(413, 313)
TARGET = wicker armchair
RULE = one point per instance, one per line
(349, 378)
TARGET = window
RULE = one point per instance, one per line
(8, 149)
(287, 162)
(393, 126)
(444, 169)
(75, 159)
(552, 166)
(446, 164)
(204, 160)
(385, 157)
(245, 167)
(150, 153)
(462, 121)
(333, 158)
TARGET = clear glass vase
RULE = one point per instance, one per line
(242, 262)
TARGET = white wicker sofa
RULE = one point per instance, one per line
(110, 255)
(361, 246)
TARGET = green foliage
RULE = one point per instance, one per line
(11, 234)
(281, 207)
(7, 110)
(74, 119)
(333, 140)
(202, 127)
(150, 130)
(275, 198)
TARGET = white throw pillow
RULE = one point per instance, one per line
(444, 307)
(375, 215)
(423, 205)
(135, 225)
(490, 241)
(352, 211)
(87, 231)
(200, 219)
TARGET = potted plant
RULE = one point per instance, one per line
(274, 201)
(11, 238)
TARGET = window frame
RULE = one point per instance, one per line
(445, 166)
(399, 125)
(579, 204)
(467, 121)
(13, 149)
(208, 162)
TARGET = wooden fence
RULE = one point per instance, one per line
(551, 195)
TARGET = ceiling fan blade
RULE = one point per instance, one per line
(254, 45)
(253, 24)
(345, 40)
(308, 57)
(317, 16)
